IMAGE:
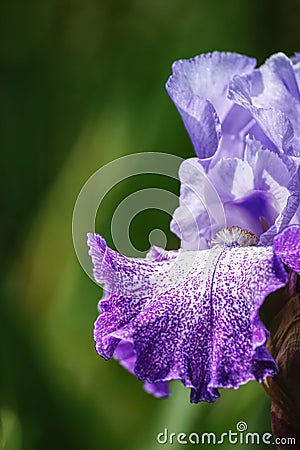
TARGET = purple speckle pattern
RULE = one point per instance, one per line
(287, 247)
(187, 315)
(193, 314)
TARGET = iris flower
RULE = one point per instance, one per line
(193, 314)
(244, 124)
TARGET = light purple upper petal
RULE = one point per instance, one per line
(271, 95)
(245, 192)
(279, 86)
(192, 316)
(198, 87)
(200, 212)
(289, 214)
(269, 170)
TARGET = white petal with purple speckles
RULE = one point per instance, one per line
(191, 316)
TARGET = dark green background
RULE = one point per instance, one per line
(82, 83)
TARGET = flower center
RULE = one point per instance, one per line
(234, 237)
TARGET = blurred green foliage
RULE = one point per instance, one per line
(82, 83)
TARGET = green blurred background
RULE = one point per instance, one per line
(82, 83)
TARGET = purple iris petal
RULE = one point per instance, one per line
(198, 88)
(222, 98)
(289, 214)
(246, 192)
(189, 315)
(192, 314)
(277, 129)
(200, 207)
(254, 178)
(271, 95)
(287, 247)
(126, 356)
(251, 211)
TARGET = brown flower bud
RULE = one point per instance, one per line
(284, 388)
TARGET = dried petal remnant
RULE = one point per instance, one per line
(284, 346)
